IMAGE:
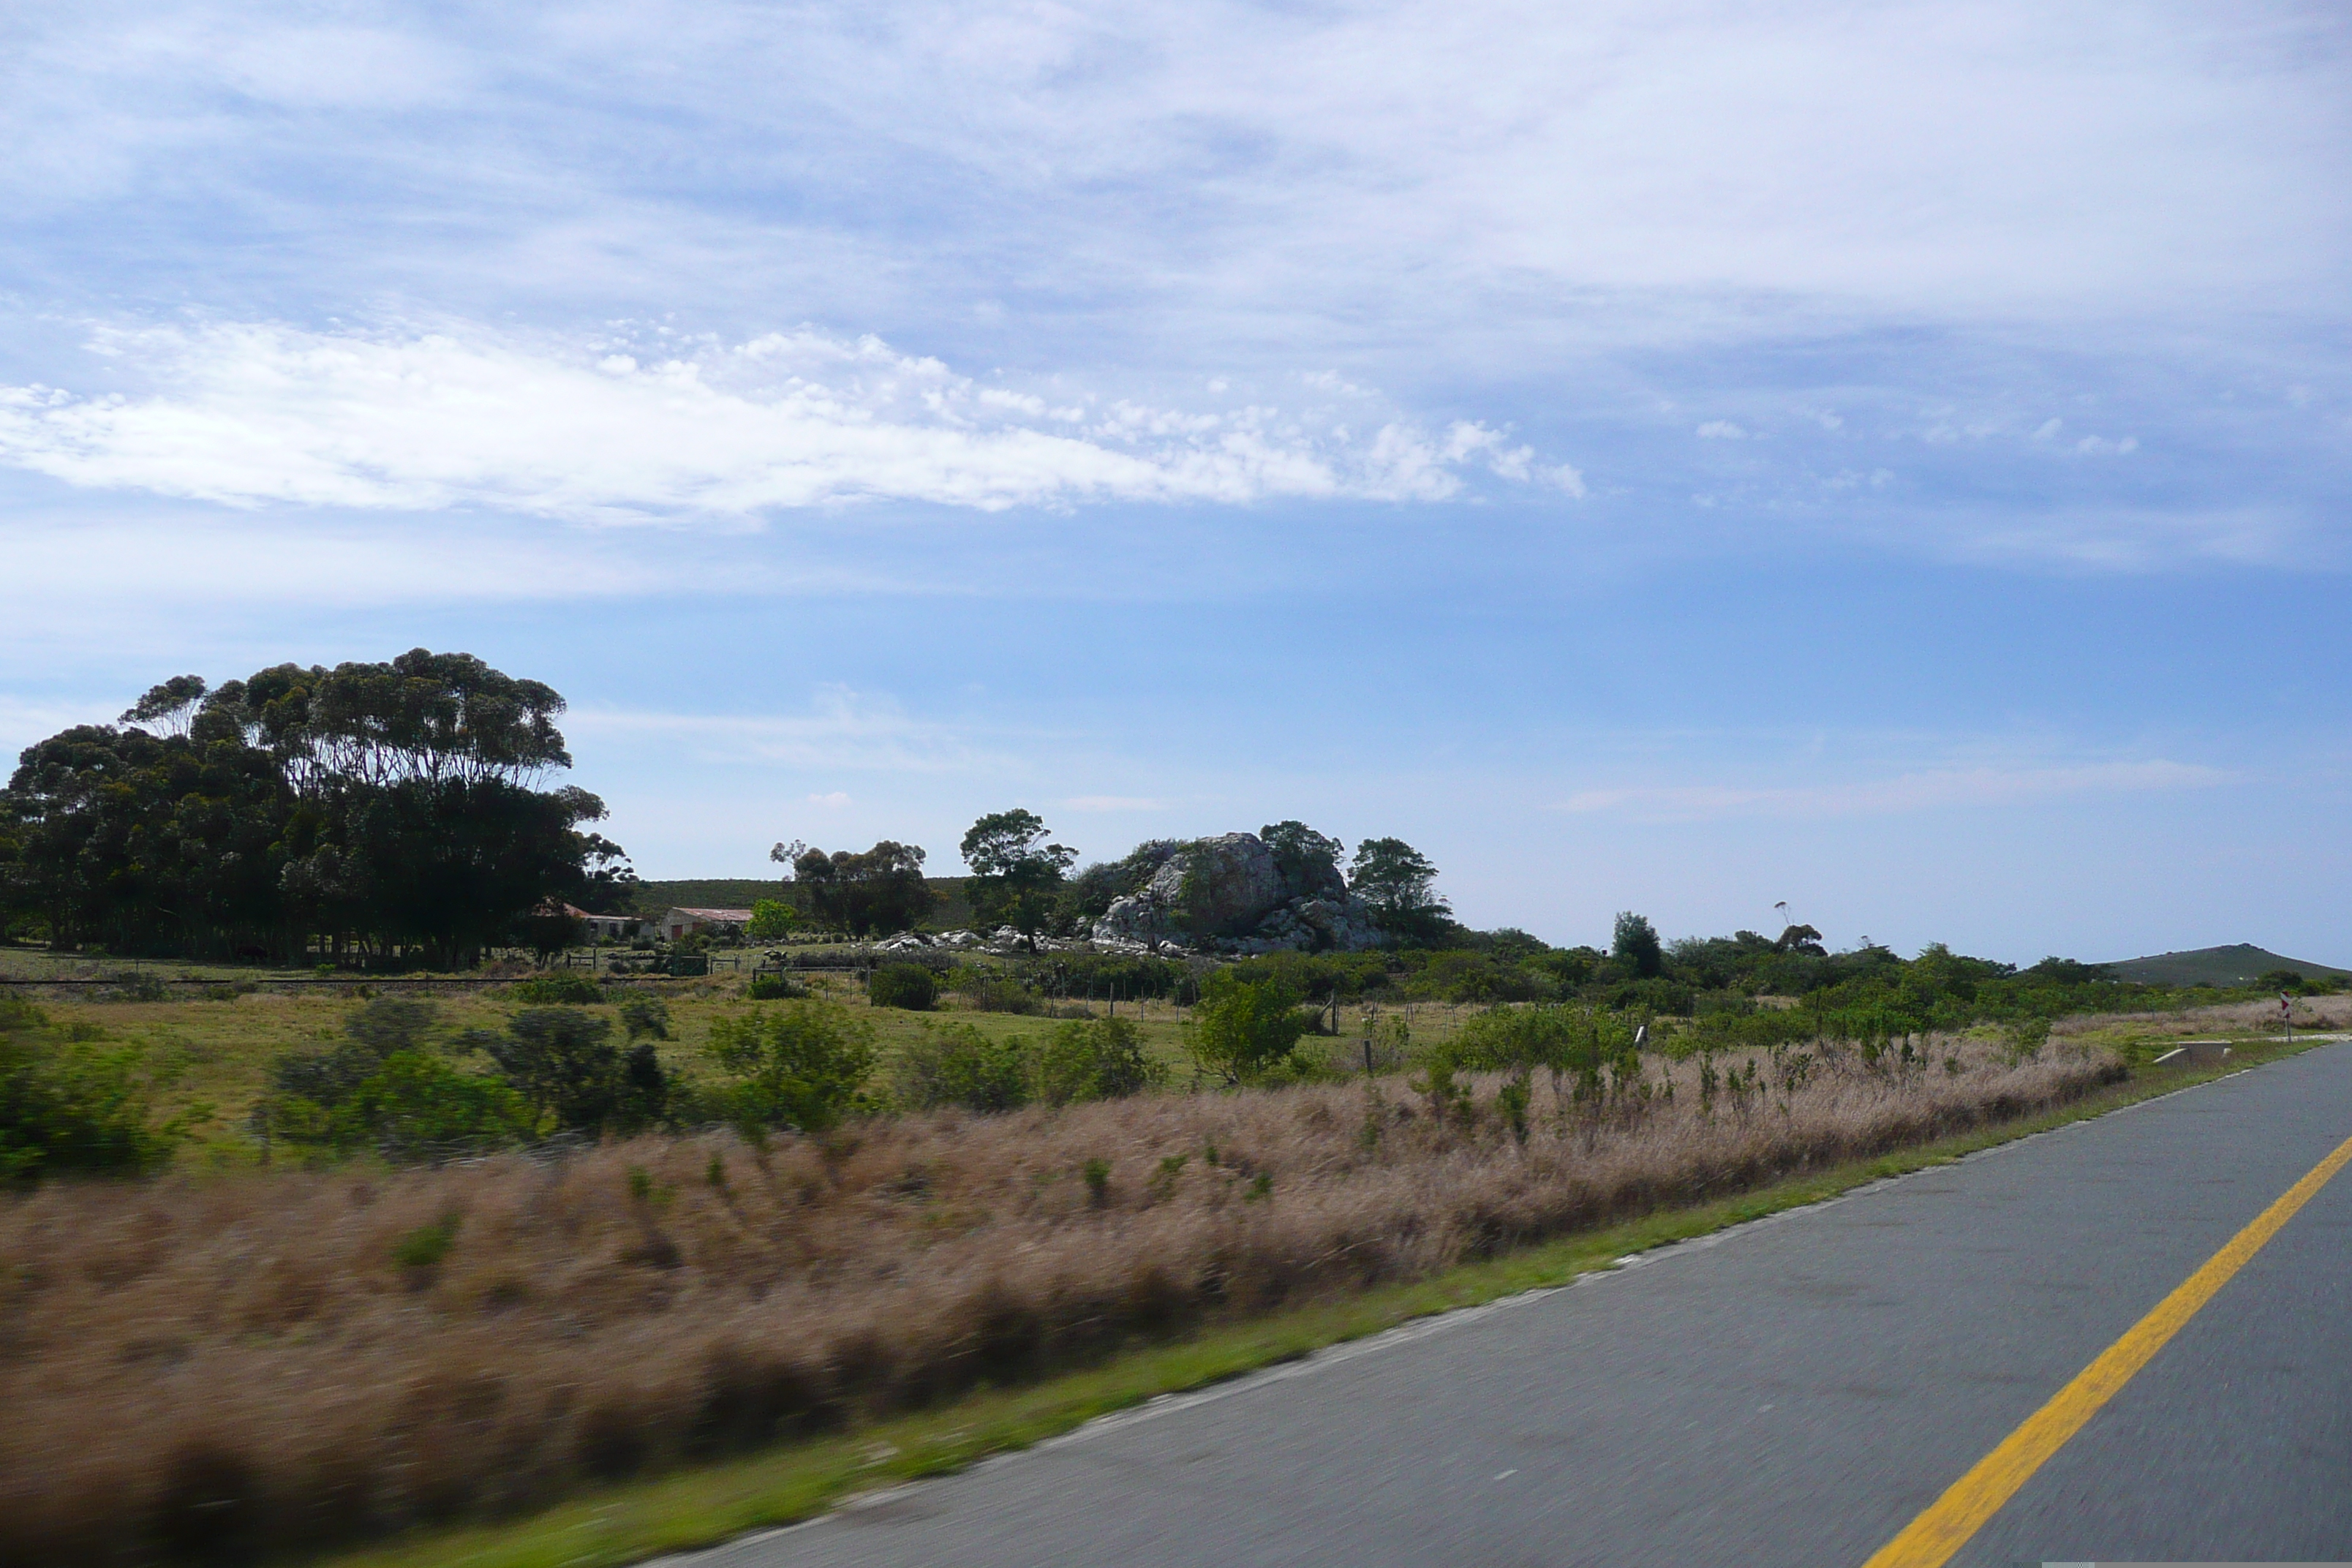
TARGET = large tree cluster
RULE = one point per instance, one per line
(881, 889)
(391, 810)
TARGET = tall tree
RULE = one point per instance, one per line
(1635, 943)
(1015, 873)
(1396, 881)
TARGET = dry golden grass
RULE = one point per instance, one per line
(226, 1366)
(2226, 1020)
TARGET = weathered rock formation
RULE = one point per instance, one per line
(1343, 924)
(1228, 894)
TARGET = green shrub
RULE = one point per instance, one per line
(1110, 975)
(564, 1065)
(906, 986)
(324, 1078)
(647, 1015)
(1658, 995)
(1242, 1029)
(1512, 1100)
(771, 920)
(987, 992)
(1522, 1039)
(427, 1245)
(562, 987)
(1352, 975)
(66, 1107)
(415, 1107)
(1505, 1039)
(1091, 1059)
(374, 1031)
(1761, 1029)
(956, 1064)
(1476, 977)
(2295, 982)
(774, 988)
(136, 986)
(804, 1066)
(391, 1023)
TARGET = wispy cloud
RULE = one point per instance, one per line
(465, 416)
(842, 729)
(1930, 789)
(1421, 160)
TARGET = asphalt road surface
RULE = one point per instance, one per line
(1790, 1392)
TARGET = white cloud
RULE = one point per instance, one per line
(1721, 430)
(2100, 446)
(1367, 162)
(1567, 477)
(836, 798)
(1926, 789)
(253, 413)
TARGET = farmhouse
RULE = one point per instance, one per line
(680, 922)
(606, 928)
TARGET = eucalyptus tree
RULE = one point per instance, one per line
(393, 808)
(1015, 872)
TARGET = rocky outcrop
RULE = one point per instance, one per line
(1227, 894)
(1134, 919)
(1343, 924)
(1220, 885)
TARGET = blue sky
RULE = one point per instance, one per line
(1676, 457)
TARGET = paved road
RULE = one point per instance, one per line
(1792, 1393)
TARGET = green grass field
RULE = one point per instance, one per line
(213, 1045)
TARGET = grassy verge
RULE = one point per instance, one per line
(704, 1506)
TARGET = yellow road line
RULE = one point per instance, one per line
(1929, 1540)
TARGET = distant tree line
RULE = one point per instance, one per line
(1743, 989)
(877, 892)
(1020, 878)
(386, 811)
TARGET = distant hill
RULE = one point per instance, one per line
(951, 912)
(2239, 965)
